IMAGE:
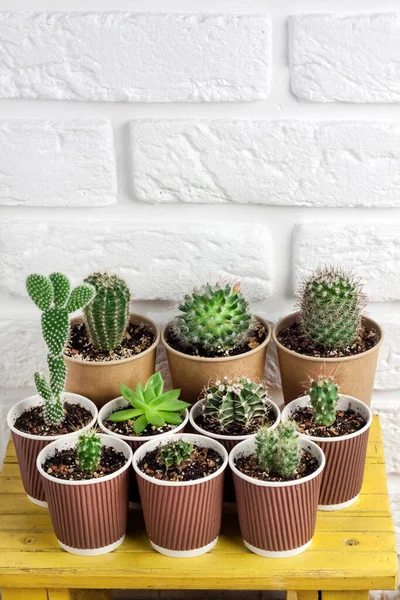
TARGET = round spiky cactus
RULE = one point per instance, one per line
(331, 302)
(107, 316)
(235, 401)
(279, 450)
(89, 451)
(214, 319)
(324, 398)
(174, 454)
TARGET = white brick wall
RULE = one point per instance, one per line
(169, 147)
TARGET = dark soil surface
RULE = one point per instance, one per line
(64, 465)
(346, 422)
(126, 427)
(256, 337)
(294, 339)
(32, 420)
(202, 462)
(137, 339)
(210, 424)
(249, 466)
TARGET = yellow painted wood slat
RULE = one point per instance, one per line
(302, 595)
(21, 594)
(350, 595)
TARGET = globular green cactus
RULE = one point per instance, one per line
(235, 401)
(107, 316)
(331, 303)
(279, 450)
(174, 454)
(89, 450)
(53, 296)
(214, 319)
(324, 399)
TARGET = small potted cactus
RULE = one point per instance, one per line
(142, 414)
(340, 425)
(85, 476)
(109, 345)
(231, 410)
(329, 335)
(277, 476)
(214, 336)
(36, 421)
(181, 481)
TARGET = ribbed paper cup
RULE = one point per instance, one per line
(183, 519)
(229, 442)
(134, 441)
(277, 519)
(28, 446)
(345, 456)
(89, 517)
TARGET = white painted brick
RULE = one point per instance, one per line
(350, 58)
(24, 351)
(388, 370)
(388, 411)
(149, 57)
(159, 260)
(57, 163)
(370, 250)
(283, 163)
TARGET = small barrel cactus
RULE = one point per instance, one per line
(324, 398)
(53, 296)
(214, 319)
(331, 302)
(107, 316)
(279, 450)
(174, 454)
(88, 451)
(236, 401)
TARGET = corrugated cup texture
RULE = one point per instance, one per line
(27, 450)
(182, 517)
(344, 468)
(277, 519)
(89, 516)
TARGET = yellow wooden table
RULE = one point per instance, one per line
(353, 551)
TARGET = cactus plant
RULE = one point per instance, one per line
(214, 319)
(331, 302)
(88, 451)
(150, 405)
(236, 401)
(53, 296)
(324, 398)
(107, 315)
(279, 450)
(174, 454)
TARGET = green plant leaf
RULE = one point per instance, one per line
(154, 417)
(125, 415)
(43, 387)
(40, 290)
(166, 397)
(140, 424)
(55, 329)
(156, 383)
(80, 297)
(61, 288)
(130, 396)
(171, 417)
(139, 392)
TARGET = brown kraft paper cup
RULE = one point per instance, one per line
(183, 519)
(89, 517)
(191, 373)
(134, 441)
(228, 442)
(28, 446)
(277, 520)
(100, 381)
(354, 374)
(345, 456)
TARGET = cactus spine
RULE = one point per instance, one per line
(214, 319)
(89, 452)
(331, 302)
(235, 401)
(279, 450)
(53, 296)
(174, 454)
(107, 316)
(324, 398)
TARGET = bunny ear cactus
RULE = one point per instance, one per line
(279, 450)
(235, 401)
(53, 297)
(324, 399)
(150, 405)
(174, 454)
(89, 452)
(331, 303)
(214, 319)
(107, 315)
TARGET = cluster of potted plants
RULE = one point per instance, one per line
(217, 436)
